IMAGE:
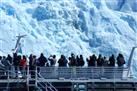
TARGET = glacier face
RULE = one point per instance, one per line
(65, 26)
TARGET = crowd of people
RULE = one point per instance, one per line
(92, 61)
(22, 62)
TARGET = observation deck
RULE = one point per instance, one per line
(70, 79)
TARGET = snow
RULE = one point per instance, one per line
(65, 26)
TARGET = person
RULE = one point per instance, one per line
(1, 65)
(105, 62)
(120, 60)
(18, 66)
(16, 62)
(2, 68)
(23, 65)
(52, 60)
(112, 61)
(30, 61)
(77, 61)
(42, 60)
(81, 61)
(100, 60)
(112, 66)
(10, 59)
(62, 61)
(32, 65)
(72, 60)
(92, 60)
(120, 63)
(6, 63)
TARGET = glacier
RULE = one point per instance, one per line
(66, 26)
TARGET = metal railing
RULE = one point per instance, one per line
(66, 73)
(57, 73)
(83, 72)
(42, 85)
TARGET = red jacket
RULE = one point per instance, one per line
(23, 62)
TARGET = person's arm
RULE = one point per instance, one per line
(9, 63)
(87, 59)
(59, 61)
(1, 64)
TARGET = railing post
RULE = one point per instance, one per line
(27, 75)
(8, 73)
(71, 72)
(114, 74)
(92, 75)
(102, 71)
(8, 78)
(46, 87)
(74, 72)
(27, 78)
(36, 76)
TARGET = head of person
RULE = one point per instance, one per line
(34, 56)
(24, 57)
(77, 56)
(72, 55)
(42, 55)
(19, 57)
(15, 54)
(62, 56)
(8, 55)
(120, 55)
(54, 56)
(81, 56)
(100, 56)
(94, 55)
(4, 57)
(112, 55)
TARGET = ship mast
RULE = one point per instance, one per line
(18, 43)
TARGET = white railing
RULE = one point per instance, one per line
(58, 73)
(83, 72)
(66, 73)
